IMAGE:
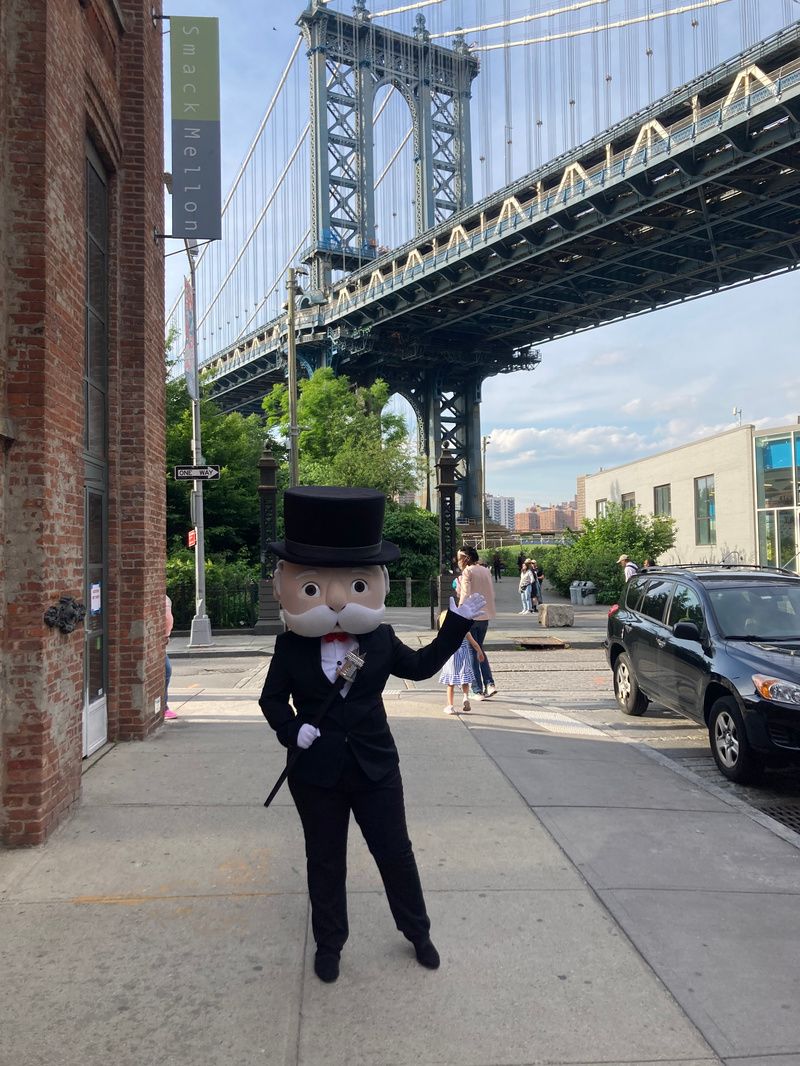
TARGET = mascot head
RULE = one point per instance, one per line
(332, 576)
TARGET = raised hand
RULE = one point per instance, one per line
(471, 607)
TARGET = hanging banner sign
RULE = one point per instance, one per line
(196, 158)
(190, 335)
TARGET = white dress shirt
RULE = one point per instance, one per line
(333, 654)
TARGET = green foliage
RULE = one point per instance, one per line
(230, 505)
(416, 532)
(509, 553)
(346, 437)
(592, 555)
(231, 589)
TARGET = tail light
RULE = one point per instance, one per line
(613, 610)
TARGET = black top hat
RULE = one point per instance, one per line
(331, 526)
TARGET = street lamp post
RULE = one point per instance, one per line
(446, 488)
(200, 633)
(268, 615)
(484, 442)
(291, 285)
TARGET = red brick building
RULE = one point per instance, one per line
(81, 394)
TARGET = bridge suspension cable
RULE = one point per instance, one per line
(651, 16)
(406, 7)
(522, 18)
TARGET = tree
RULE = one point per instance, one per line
(592, 554)
(346, 437)
(230, 505)
(416, 532)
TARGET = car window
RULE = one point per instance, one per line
(655, 599)
(760, 612)
(634, 591)
(685, 607)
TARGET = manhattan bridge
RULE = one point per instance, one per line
(464, 180)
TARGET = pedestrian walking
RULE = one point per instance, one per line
(526, 579)
(497, 565)
(630, 567)
(475, 578)
(458, 670)
(169, 623)
(536, 589)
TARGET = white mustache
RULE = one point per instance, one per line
(353, 618)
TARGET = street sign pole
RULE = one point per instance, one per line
(200, 633)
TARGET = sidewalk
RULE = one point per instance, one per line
(590, 904)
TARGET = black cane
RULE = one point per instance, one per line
(346, 672)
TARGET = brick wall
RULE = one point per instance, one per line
(67, 66)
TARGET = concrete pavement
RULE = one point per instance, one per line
(590, 904)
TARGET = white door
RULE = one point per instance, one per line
(95, 711)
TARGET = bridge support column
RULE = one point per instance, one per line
(452, 420)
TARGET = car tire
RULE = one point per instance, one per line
(730, 747)
(626, 688)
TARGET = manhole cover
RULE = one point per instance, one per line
(788, 815)
(543, 643)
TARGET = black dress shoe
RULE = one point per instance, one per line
(326, 966)
(427, 955)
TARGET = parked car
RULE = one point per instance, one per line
(720, 644)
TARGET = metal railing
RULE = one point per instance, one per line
(232, 607)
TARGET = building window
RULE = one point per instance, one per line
(96, 350)
(774, 472)
(705, 511)
(662, 500)
(628, 501)
(600, 508)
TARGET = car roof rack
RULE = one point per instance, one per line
(719, 567)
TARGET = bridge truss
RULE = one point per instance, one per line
(698, 193)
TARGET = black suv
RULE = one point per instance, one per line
(720, 644)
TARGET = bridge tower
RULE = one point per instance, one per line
(350, 58)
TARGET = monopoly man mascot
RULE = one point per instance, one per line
(331, 583)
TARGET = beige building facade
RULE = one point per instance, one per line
(735, 497)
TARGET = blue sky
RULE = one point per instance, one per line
(603, 397)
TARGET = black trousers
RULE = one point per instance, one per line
(379, 810)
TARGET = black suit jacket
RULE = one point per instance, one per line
(357, 721)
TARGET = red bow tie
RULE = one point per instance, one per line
(330, 637)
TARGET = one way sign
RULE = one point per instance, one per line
(196, 473)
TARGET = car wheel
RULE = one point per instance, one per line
(729, 744)
(626, 688)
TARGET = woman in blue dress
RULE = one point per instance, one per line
(458, 670)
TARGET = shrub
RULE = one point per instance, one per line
(592, 554)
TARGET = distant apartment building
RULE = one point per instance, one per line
(551, 519)
(527, 521)
(500, 509)
(734, 497)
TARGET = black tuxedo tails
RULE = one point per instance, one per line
(352, 767)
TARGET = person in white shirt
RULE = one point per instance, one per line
(477, 578)
(630, 567)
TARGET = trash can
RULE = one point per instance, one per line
(575, 592)
(588, 593)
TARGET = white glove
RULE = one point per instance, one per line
(306, 735)
(471, 607)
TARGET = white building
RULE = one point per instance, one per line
(734, 497)
(501, 509)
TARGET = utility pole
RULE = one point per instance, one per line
(484, 442)
(291, 285)
(200, 634)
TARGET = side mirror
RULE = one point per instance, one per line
(687, 631)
